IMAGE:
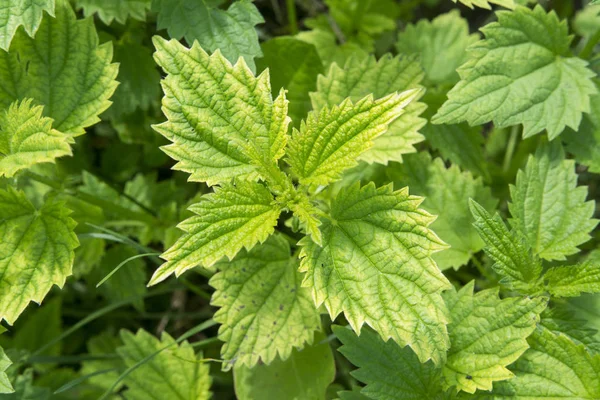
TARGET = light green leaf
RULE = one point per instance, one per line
(117, 10)
(230, 31)
(49, 70)
(389, 371)
(553, 368)
(440, 43)
(487, 4)
(27, 138)
(548, 207)
(332, 139)
(327, 46)
(5, 386)
(293, 65)
(173, 374)
(26, 13)
(584, 143)
(363, 75)
(486, 334)
(305, 375)
(509, 250)
(375, 265)
(447, 192)
(264, 312)
(573, 280)
(37, 247)
(561, 319)
(235, 216)
(222, 120)
(587, 20)
(521, 73)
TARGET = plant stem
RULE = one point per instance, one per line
(482, 269)
(587, 50)
(291, 14)
(510, 148)
(194, 288)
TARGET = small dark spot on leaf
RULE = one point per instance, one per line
(274, 322)
(281, 307)
(469, 377)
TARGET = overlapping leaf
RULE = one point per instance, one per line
(115, 10)
(375, 266)
(487, 4)
(5, 386)
(37, 251)
(584, 143)
(363, 75)
(265, 313)
(572, 280)
(26, 13)
(522, 73)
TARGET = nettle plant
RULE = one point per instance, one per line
(364, 216)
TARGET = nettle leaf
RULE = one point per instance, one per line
(389, 371)
(561, 319)
(264, 312)
(326, 43)
(440, 43)
(332, 139)
(27, 138)
(375, 266)
(26, 13)
(487, 334)
(364, 75)
(554, 367)
(5, 386)
(230, 31)
(174, 373)
(294, 66)
(447, 192)
(509, 250)
(487, 4)
(115, 10)
(25, 388)
(548, 207)
(235, 216)
(101, 344)
(38, 250)
(584, 143)
(306, 374)
(49, 69)
(573, 280)
(222, 120)
(521, 73)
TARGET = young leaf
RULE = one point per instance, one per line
(548, 207)
(375, 265)
(235, 216)
(440, 43)
(26, 13)
(37, 247)
(487, 4)
(521, 73)
(230, 31)
(175, 373)
(332, 139)
(554, 367)
(389, 371)
(5, 386)
(49, 69)
(364, 75)
(447, 192)
(486, 335)
(264, 312)
(115, 10)
(222, 120)
(27, 138)
(572, 280)
(512, 256)
(306, 374)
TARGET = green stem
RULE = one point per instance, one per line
(510, 148)
(291, 14)
(482, 270)
(587, 50)
(194, 288)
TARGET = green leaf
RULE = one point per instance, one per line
(264, 312)
(447, 192)
(548, 207)
(100, 345)
(486, 334)
(389, 371)
(305, 375)
(584, 143)
(222, 120)
(41, 325)
(561, 319)
(487, 4)
(24, 388)
(26, 13)
(440, 43)
(573, 280)
(27, 138)
(331, 140)
(375, 265)
(364, 75)
(521, 73)
(509, 250)
(235, 216)
(327, 46)
(115, 10)
(230, 31)
(37, 247)
(5, 386)
(554, 367)
(175, 373)
(293, 65)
